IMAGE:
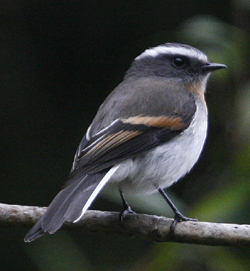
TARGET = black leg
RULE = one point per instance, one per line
(126, 208)
(178, 215)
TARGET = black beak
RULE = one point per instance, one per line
(210, 67)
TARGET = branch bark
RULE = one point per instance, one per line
(150, 227)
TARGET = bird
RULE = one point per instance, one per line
(147, 134)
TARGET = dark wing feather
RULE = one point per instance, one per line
(106, 145)
(122, 129)
(122, 139)
(126, 138)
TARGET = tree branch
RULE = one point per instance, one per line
(149, 227)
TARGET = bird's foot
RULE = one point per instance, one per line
(179, 217)
(128, 210)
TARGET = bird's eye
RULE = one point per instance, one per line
(179, 62)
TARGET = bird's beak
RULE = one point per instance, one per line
(210, 67)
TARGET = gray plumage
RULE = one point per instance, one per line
(147, 134)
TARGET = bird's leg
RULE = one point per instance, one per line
(126, 208)
(178, 215)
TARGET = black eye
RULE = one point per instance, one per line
(179, 62)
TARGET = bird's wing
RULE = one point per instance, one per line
(94, 165)
(97, 157)
(124, 138)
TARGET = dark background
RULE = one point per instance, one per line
(59, 60)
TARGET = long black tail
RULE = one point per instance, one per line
(70, 204)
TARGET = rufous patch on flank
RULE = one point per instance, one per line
(174, 123)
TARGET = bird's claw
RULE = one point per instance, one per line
(179, 217)
(128, 210)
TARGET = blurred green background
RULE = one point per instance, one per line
(59, 60)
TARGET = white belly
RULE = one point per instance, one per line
(166, 164)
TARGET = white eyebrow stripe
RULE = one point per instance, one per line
(160, 50)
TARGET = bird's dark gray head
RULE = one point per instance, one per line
(178, 62)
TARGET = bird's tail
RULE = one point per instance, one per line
(70, 204)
